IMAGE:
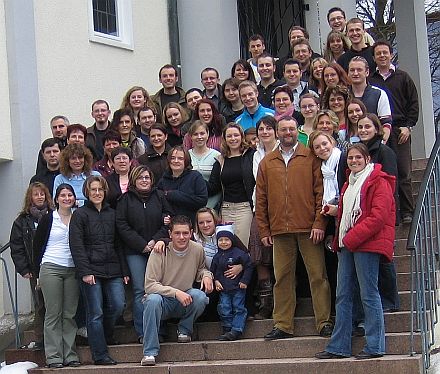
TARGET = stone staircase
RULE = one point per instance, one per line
(254, 355)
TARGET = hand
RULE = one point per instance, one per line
(317, 235)
(149, 247)
(184, 298)
(267, 241)
(404, 135)
(207, 284)
(242, 285)
(386, 134)
(166, 220)
(218, 286)
(159, 247)
(27, 276)
(233, 271)
(331, 211)
(89, 279)
(126, 279)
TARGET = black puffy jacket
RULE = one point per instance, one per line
(94, 243)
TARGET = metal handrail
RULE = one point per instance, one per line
(424, 244)
(14, 301)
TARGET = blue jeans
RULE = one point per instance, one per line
(231, 309)
(364, 266)
(104, 302)
(137, 264)
(158, 308)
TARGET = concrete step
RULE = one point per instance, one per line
(390, 364)
(245, 349)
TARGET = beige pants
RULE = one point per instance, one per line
(240, 215)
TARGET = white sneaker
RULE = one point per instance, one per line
(148, 361)
(82, 331)
(183, 338)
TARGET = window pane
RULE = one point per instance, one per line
(105, 17)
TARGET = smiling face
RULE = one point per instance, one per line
(206, 223)
(224, 243)
(174, 117)
(209, 80)
(137, 100)
(336, 103)
(355, 33)
(240, 72)
(199, 137)
(336, 20)
(109, 145)
(125, 126)
(231, 93)
(382, 57)
(180, 236)
(292, 74)
(146, 119)
(356, 160)
(266, 134)
(233, 139)
(65, 199)
(249, 97)
(287, 133)
(354, 111)
(157, 139)
(331, 77)
(100, 113)
(266, 68)
(325, 125)
(192, 99)
(76, 137)
(38, 197)
(308, 108)
(168, 78)
(177, 162)
(336, 46)
(323, 147)
(205, 113)
(96, 193)
(366, 129)
(76, 163)
(143, 182)
(317, 69)
(121, 163)
(282, 102)
(302, 53)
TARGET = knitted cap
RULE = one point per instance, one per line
(227, 231)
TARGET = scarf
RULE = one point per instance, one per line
(37, 212)
(329, 170)
(351, 207)
(288, 112)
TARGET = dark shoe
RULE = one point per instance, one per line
(230, 336)
(140, 340)
(106, 361)
(324, 355)
(358, 331)
(326, 331)
(55, 365)
(112, 341)
(74, 364)
(365, 356)
(226, 329)
(265, 295)
(277, 334)
(407, 219)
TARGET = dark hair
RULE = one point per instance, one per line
(76, 127)
(50, 142)
(194, 89)
(296, 27)
(354, 100)
(208, 69)
(337, 90)
(256, 37)
(291, 61)
(334, 9)
(79, 150)
(302, 41)
(100, 101)
(225, 151)
(138, 170)
(250, 131)
(187, 164)
(361, 147)
(27, 204)
(215, 127)
(180, 220)
(286, 118)
(332, 35)
(119, 150)
(266, 55)
(146, 109)
(285, 89)
(344, 80)
(355, 20)
(160, 127)
(384, 42)
(246, 66)
(234, 82)
(94, 178)
(118, 114)
(111, 135)
(268, 121)
(169, 66)
(376, 122)
(61, 187)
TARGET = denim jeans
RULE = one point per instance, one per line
(231, 309)
(137, 264)
(364, 266)
(158, 308)
(104, 302)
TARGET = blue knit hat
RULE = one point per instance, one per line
(223, 231)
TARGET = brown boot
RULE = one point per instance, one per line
(265, 294)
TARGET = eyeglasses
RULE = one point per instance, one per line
(309, 106)
(143, 178)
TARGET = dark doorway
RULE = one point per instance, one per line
(270, 18)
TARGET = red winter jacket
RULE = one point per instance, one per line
(374, 230)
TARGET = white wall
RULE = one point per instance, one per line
(73, 72)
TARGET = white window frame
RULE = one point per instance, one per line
(124, 26)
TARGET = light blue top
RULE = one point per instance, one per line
(247, 120)
(76, 181)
